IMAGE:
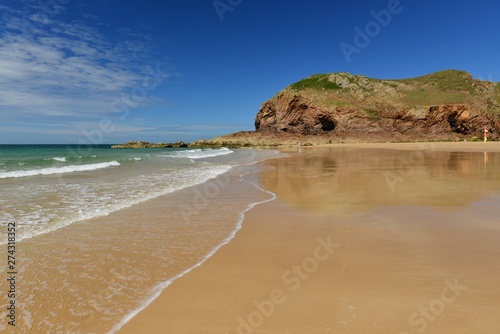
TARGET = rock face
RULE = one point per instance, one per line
(294, 114)
(341, 107)
(447, 105)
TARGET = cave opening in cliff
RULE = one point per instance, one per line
(327, 124)
(456, 125)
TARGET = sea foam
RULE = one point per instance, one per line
(138, 190)
(58, 170)
(161, 286)
(201, 153)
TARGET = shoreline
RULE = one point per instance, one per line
(492, 146)
(160, 288)
(107, 267)
(237, 283)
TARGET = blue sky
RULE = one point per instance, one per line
(110, 71)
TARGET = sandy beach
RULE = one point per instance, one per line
(371, 238)
(249, 167)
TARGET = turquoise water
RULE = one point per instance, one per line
(46, 187)
(29, 160)
(103, 231)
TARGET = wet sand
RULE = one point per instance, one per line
(91, 275)
(375, 238)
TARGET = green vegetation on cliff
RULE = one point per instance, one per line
(317, 81)
(447, 80)
(444, 87)
(448, 105)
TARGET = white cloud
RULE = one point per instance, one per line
(53, 68)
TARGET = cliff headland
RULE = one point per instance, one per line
(343, 108)
(448, 105)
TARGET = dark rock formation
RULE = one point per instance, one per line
(144, 144)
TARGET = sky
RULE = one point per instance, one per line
(111, 71)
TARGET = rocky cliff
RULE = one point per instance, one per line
(336, 107)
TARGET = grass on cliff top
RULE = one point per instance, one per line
(433, 95)
(317, 81)
(447, 80)
(449, 86)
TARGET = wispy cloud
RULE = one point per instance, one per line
(51, 68)
(210, 127)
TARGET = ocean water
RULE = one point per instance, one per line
(46, 187)
(101, 232)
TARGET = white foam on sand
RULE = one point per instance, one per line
(188, 178)
(201, 153)
(159, 288)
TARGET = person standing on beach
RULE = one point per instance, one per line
(485, 135)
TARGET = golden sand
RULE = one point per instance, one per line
(371, 238)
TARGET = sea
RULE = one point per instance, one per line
(101, 232)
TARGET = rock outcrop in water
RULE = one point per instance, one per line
(341, 107)
(144, 144)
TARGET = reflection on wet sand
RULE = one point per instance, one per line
(420, 255)
(409, 222)
(341, 181)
